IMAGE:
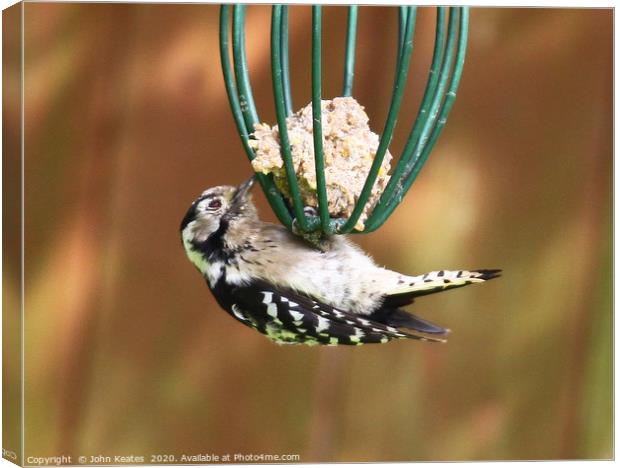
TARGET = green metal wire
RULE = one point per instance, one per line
(438, 114)
(439, 95)
(317, 127)
(286, 80)
(450, 96)
(349, 54)
(402, 20)
(403, 11)
(402, 70)
(230, 83)
(395, 185)
(241, 68)
(279, 93)
(273, 195)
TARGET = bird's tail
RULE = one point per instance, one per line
(410, 287)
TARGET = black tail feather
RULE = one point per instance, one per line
(489, 274)
(401, 319)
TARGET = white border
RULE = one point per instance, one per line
(554, 4)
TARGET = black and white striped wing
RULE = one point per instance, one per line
(286, 316)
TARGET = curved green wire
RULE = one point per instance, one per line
(402, 71)
(450, 96)
(403, 166)
(281, 113)
(317, 127)
(438, 116)
(349, 55)
(241, 68)
(286, 80)
(402, 25)
(430, 120)
(229, 82)
(274, 197)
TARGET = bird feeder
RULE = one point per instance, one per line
(438, 98)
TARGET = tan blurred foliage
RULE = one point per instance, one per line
(126, 351)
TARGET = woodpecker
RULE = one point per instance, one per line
(273, 281)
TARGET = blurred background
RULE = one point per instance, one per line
(127, 121)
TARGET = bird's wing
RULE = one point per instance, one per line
(287, 316)
(436, 281)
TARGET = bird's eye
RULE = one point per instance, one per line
(214, 204)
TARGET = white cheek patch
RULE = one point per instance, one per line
(201, 229)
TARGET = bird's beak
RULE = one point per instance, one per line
(241, 194)
(244, 188)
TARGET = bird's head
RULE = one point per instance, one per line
(217, 207)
